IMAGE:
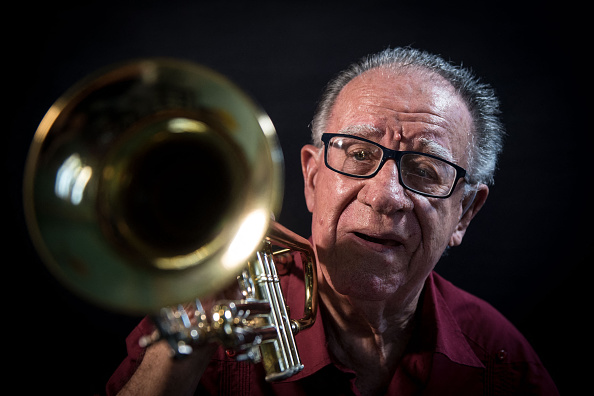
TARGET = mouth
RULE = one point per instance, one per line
(379, 241)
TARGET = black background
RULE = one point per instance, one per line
(526, 253)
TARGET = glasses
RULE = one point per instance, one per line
(424, 174)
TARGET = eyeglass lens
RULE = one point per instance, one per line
(418, 172)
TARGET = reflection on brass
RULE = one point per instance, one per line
(152, 183)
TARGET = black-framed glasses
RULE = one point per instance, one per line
(422, 173)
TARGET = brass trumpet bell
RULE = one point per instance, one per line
(151, 183)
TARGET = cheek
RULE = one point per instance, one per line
(437, 225)
(330, 203)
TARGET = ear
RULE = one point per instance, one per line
(310, 164)
(470, 206)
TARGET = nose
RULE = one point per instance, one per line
(384, 193)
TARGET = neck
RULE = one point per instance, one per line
(369, 337)
(385, 319)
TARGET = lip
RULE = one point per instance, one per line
(378, 242)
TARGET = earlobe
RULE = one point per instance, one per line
(470, 206)
(310, 158)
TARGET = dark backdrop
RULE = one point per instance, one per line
(526, 253)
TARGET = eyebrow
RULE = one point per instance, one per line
(363, 130)
(426, 145)
(431, 147)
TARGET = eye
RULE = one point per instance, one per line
(427, 172)
(353, 156)
(422, 168)
(360, 155)
(360, 152)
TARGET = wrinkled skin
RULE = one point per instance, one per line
(415, 230)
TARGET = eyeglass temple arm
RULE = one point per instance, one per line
(470, 202)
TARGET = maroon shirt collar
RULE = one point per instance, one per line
(438, 333)
(440, 330)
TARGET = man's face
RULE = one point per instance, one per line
(373, 238)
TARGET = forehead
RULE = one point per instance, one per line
(408, 106)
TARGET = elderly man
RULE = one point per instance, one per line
(405, 145)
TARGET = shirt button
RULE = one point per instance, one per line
(502, 354)
(230, 353)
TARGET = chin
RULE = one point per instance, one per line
(366, 286)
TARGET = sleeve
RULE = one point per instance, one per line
(135, 354)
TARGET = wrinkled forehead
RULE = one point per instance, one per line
(413, 89)
(407, 105)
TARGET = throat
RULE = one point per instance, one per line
(369, 349)
(372, 358)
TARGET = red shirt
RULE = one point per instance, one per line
(462, 346)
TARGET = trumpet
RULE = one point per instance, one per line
(153, 183)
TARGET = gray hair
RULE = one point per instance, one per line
(479, 97)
